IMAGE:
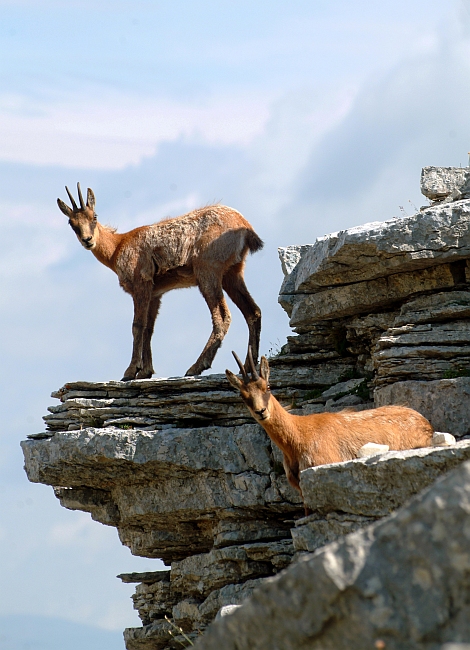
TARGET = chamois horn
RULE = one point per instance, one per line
(246, 379)
(72, 200)
(82, 203)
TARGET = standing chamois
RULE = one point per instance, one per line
(323, 438)
(205, 248)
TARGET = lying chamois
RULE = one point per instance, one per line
(205, 248)
(322, 438)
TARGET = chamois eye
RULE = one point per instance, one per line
(268, 387)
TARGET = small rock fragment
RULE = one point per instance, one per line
(442, 439)
(372, 449)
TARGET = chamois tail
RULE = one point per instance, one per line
(253, 242)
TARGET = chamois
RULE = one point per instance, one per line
(322, 438)
(205, 248)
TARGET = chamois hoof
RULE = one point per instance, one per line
(191, 373)
(144, 375)
(128, 377)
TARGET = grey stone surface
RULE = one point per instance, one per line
(423, 351)
(233, 594)
(437, 235)
(315, 531)
(157, 404)
(342, 388)
(437, 183)
(445, 402)
(374, 487)
(198, 575)
(363, 297)
(158, 488)
(403, 581)
(441, 306)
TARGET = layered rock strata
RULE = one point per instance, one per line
(393, 298)
(204, 490)
(213, 502)
(400, 583)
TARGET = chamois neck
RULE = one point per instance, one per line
(280, 426)
(107, 243)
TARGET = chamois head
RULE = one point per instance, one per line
(83, 219)
(255, 392)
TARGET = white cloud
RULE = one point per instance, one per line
(104, 129)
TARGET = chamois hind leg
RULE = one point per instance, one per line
(147, 366)
(141, 297)
(221, 318)
(234, 284)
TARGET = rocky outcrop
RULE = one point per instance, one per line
(381, 315)
(205, 491)
(393, 299)
(400, 583)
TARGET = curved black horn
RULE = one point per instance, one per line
(72, 200)
(82, 204)
(254, 372)
(241, 366)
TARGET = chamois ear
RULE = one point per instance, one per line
(264, 369)
(63, 207)
(233, 380)
(90, 199)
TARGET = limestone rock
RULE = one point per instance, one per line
(445, 402)
(442, 439)
(226, 610)
(167, 491)
(363, 297)
(441, 306)
(425, 351)
(372, 449)
(375, 486)
(403, 581)
(233, 594)
(198, 575)
(315, 531)
(437, 183)
(158, 404)
(437, 235)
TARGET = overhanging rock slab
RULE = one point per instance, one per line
(434, 236)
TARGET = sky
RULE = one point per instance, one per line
(306, 117)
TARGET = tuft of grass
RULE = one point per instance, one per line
(274, 350)
(453, 373)
(313, 394)
(180, 632)
(362, 391)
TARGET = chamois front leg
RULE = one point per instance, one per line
(141, 296)
(147, 370)
(293, 478)
(221, 318)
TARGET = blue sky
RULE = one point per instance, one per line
(306, 117)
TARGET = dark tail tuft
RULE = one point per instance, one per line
(253, 242)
